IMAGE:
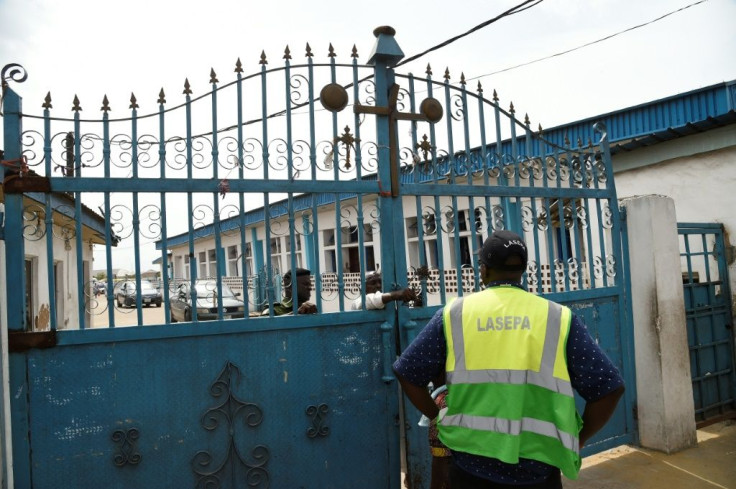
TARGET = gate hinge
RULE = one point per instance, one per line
(622, 213)
(19, 341)
(16, 184)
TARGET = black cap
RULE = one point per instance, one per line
(300, 272)
(499, 247)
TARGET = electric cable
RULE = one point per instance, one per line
(514, 10)
(587, 44)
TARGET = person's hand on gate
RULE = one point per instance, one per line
(307, 308)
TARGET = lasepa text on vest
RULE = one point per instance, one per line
(504, 322)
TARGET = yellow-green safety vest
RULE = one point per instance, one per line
(509, 392)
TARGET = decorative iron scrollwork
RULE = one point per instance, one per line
(229, 409)
(126, 441)
(318, 414)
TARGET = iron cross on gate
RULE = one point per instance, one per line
(334, 97)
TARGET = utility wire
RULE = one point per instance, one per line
(589, 43)
(514, 10)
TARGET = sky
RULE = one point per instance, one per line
(93, 48)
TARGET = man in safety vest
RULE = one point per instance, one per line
(512, 360)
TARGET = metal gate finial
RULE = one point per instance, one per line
(13, 71)
(386, 48)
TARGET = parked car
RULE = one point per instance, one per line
(99, 288)
(180, 302)
(125, 294)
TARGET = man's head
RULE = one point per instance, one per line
(373, 283)
(303, 285)
(502, 257)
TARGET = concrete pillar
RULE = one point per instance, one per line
(666, 410)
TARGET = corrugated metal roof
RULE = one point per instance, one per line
(634, 127)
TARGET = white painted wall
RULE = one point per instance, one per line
(36, 250)
(702, 185)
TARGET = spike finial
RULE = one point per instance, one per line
(495, 95)
(47, 101)
(187, 88)
(238, 66)
(105, 104)
(447, 73)
(480, 88)
(354, 53)
(511, 108)
(161, 96)
(287, 53)
(133, 101)
(526, 119)
(309, 52)
(213, 76)
(541, 131)
(263, 60)
(429, 70)
(331, 53)
(462, 78)
(76, 107)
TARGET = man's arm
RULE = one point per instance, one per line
(597, 414)
(419, 397)
(404, 295)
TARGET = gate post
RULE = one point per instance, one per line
(15, 304)
(384, 56)
(664, 388)
(386, 53)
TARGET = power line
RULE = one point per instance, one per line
(589, 43)
(514, 10)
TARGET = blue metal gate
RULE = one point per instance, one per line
(709, 320)
(256, 177)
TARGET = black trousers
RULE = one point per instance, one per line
(460, 479)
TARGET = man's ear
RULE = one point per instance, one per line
(483, 271)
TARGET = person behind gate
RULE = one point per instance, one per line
(375, 298)
(511, 360)
(303, 294)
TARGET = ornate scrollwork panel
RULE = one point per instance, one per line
(34, 222)
(318, 415)
(229, 409)
(126, 447)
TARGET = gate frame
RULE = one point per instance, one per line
(719, 252)
(385, 56)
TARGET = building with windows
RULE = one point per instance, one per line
(42, 262)
(682, 146)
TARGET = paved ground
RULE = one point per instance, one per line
(710, 465)
(126, 316)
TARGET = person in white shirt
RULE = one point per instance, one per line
(376, 299)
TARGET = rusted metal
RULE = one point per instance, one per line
(20, 341)
(15, 184)
(334, 97)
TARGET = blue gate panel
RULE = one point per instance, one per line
(707, 307)
(601, 317)
(278, 409)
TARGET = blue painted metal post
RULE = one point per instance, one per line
(16, 304)
(308, 242)
(14, 245)
(386, 53)
(259, 273)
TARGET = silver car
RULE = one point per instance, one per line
(126, 294)
(181, 302)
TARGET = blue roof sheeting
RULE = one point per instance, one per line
(630, 128)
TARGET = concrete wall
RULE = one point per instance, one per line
(664, 385)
